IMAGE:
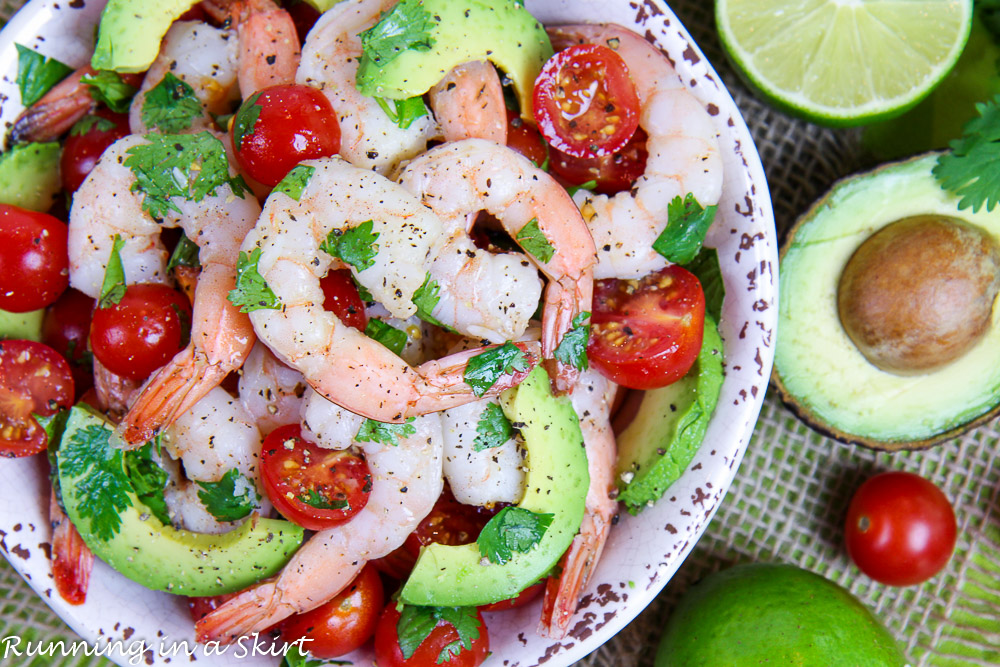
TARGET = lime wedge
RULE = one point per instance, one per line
(843, 62)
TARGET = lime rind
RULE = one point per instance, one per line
(843, 64)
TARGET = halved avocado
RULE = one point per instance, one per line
(818, 370)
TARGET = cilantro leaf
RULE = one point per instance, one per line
(109, 87)
(416, 623)
(36, 74)
(191, 166)
(185, 254)
(113, 288)
(252, 291)
(296, 657)
(512, 529)
(387, 434)
(573, 189)
(971, 170)
(231, 498)
(355, 246)
(687, 224)
(393, 338)
(533, 240)
(405, 111)
(170, 106)
(148, 479)
(54, 425)
(246, 117)
(89, 122)
(295, 181)
(706, 269)
(493, 428)
(314, 498)
(484, 369)
(572, 348)
(363, 292)
(425, 298)
(408, 25)
(101, 486)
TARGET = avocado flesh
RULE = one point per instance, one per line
(556, 483)
(21, 326)
(817, 367)
(29, 176)
(179, 561)
(501, 31)
(130, 32)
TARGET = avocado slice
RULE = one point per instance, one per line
(29, 175)
(556, 483)
(21, 326)
(149, 552)
(130, 32)
(657, 446)
(501, 31)
(818, 370)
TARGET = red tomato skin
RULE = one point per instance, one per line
(296, 123)
(34, 378)
(388, 653)
(900, 529)
(304, 16)
(81, 151)
(525, 597)
(612, 173)
(340, 296)
(34, 262)
(142, 332)
(343, 624)
(65, 328)
(525, 139)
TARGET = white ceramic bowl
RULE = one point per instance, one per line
(643, 551)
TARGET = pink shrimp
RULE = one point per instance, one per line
(468, 103)
(72, 560)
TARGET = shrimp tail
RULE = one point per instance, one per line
(56, 112)
(257, 608)
(72, 560)
(565, 299)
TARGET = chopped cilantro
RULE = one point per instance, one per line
(706, 269)
(54, 425)
(36, 74)
(572, 348)
(971, 170)
(109, 87)
(170, 106)
(246, 119)
(416, 624)
(295, 181)
(425, 299)
(387, 434)
(363, 292)
(355, 246)
(295, 657)
(252, 292)
(113, 288)
(313, 498)
(493, 428)
(687, 224)
(573, 189)
(484, 369)
(185, 254)
(512, 529)
(101, 486)
(231, 498)
(148, 479)
(88, 123)
(388, 335)
(533, 240)
(408, 25)
(403, 112)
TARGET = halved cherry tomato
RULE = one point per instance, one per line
(314, 487)
(525, 139)
(142, 332)
(340, 296)
(527, 596)
(280, 126)
(431, 652)
(82, 149)
(647, 333)
(612, 173)
(585, 102)
(343, 624)
(203, 606)
(65, 329)
(34, 379)
(34, 263)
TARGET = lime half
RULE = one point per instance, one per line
(844, 62)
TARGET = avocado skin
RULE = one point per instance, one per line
(179, 561)
(130, 33)
(777, 615)
(29, 176)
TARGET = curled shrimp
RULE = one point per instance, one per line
(268, 43)
(270, 391)
(468, 103)
(684, 156)
(72, 560)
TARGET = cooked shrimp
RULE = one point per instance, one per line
(592, 398)
(468, 103)
(268, 43)
(56, 112)
(463, 177)
(406, 482)
(113, 391)
(339, 361)
(683, 148)
(270, 391)
(72, 560)
(105, 207)
(485, 475)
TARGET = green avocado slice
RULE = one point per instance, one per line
(29, 175)
(156, 555)
(130, 33)
(556, 483)
(21, 326)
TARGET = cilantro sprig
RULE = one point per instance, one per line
(572, 349)
(426, 298)
(113, 288)
(485, 369)
(148, 480)
(314, 498)
(295, 181)
(170, 106)
(416, 623)
(971, 170)
(513, 529)
(533, 240)
(393, 338)
(252, 292)
(102, 487)
(185, 254)
(408, 25)
(90, 122)
(493, 428)
(355, 246)
(36, 74)
(109, 87)
(687, 223)
(403, 112)
(245, 120)
(231, 498)
(384, 432)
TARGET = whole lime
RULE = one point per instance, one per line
(776, 615)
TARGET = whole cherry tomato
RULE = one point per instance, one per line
(900, 529)
(65, 329)
(34, 262)
(86, 142)
(441, 646)
(340, 296)
(527, 596)
(34, 380)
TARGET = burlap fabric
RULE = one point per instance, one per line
(788, 500)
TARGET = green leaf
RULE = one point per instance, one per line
(971, 170)
(54, 425)
(513, 529)
(313, 498)
(393, 338)
(534, 241)
(113, 288)
(102, 488)
(295, 181)
(426, 298)
(493, 428)
(687, 224)
(246, 119)
(231, 498)
(408, 25)
(363, 292)
(573, 189)
(185, 254)
(572, 348)
(109, 87)
(416, 624)
(36, 74)
(403, 112)
(88, 123)
(296, 657)
(387, 434)
(252, 291)
(706, 269)
(170, 106)
(484, 369)
(148, 479)
(355, 246)
(190, 166)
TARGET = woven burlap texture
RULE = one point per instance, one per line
(789, 497)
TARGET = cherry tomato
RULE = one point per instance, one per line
(280, 126)
(65, 329)
(585, 102)
(344, 623)
(527, 596)
(82, 149)
(142, 332)
(314, 487)
(34, 379)
(429, 652)
(525, 139)
(340, 296)
(900, 529)
(611, 173)
(647, 333)
(304, 16)
(34, 263)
